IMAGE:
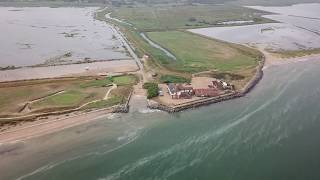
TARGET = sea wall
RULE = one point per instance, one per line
(207, 101)
(123, 108)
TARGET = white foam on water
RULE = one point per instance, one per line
(145, 111)
(130, 138)
(130, 134)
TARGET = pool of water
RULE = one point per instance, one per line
(37, 35)
(299, 28)
(153, 44)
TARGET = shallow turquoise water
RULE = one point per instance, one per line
(272, 133)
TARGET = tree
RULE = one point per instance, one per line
(152, 89)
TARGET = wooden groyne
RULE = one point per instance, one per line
(207, 101)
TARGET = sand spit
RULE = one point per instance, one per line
(89, 69)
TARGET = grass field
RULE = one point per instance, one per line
(118, 96)
(119, 80)
(164, 25)
(182, 17)
(114, 100)
(76, 92)
(195, 53)
(69, 99)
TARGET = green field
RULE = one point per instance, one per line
(195, 53)
(87, 91)
(71, 98)
(125, 80)
(74, 92)
(114, 100)
(185, 17)
(119, 80)
(165, 25)
(118, 96)
(174, 79)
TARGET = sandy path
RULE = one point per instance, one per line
(114, 86)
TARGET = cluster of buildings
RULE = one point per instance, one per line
(186, 91)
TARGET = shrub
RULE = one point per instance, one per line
(174, 79)
(152, 89)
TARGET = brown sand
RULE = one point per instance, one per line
(89, 69)
(27, 130)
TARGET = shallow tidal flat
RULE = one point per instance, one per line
(31, 36)
(298, 28)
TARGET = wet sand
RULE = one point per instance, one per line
(89, 69)
(273, 60)
(28, 130)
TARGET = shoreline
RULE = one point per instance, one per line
(267, 61)
(46, 123)
(58, 122)
(208, 101)
(28, 130)
(65, 71)
(55, 121)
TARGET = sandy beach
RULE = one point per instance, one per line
(273, 60)
(27, 130)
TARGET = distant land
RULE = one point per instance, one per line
(155, 2)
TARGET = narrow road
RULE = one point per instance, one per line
(124, 41)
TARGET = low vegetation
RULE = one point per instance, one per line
(71, 98)
(295, 53)
(174, 79)
(195, 53)
(152, 89)
(62, 94)
(105, 82)
(114, 100)
(168, 17)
